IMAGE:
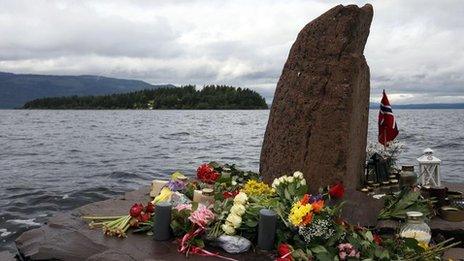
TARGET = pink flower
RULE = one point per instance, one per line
(202, 216)
(181, 207)
(347, 250)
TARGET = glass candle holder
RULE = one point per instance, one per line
(416, 228)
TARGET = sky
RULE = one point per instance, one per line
(415, 49)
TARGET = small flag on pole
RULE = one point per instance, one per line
(388, 130)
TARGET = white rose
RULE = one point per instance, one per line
(234, 220)
(298, 174)
(303, 182)
(228, 229)
(241, 198)
(290, 179)
(237, 209)
(275, 183)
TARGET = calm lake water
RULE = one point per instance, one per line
(54, 161)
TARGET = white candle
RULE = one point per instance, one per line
(197, 195)
(156, 186)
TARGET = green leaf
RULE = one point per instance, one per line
(287, 195)
(369, 235)
(251, 223)
(319, 249)
(324, 256)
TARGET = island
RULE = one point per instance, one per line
(219, 97)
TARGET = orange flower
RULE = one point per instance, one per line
(317, 206)
(305, 200)
(307, 219)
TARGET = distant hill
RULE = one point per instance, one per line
(17, 89)
(186, 97)
(422, 106)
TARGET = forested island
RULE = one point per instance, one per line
(185, 97)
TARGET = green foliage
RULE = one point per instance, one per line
(186, 97)
(396, 206)
(180, 223)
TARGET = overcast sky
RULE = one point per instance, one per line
(415, 49)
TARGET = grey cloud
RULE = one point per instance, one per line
(414, 49)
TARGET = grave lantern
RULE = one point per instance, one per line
(429, 169)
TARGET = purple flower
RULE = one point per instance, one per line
(175, 185)
(314, 198)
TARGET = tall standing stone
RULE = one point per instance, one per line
(319, 116)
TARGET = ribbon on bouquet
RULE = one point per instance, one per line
(284, 257)
(186, 248)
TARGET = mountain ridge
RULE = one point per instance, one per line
(17, 89)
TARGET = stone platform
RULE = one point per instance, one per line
(67, 237)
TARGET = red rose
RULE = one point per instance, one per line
(230, 194)
(202, 170)
(337, 190)
(135, 210)
(150, 208)
(284, 250)
(214, 176)
(207, 177)
(377, 239)
(144, 217)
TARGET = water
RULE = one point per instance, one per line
(54, 161)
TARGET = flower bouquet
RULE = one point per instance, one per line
(308, 226)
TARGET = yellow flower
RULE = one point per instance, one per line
(238, 209)
(241, 198)
(298, 213)
(228, 229)
(255, 188)
(164, 195)
(424, 245)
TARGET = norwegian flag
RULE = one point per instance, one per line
(388, 130)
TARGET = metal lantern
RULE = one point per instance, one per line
(376, 169)
(429, 169)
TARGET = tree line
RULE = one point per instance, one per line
(185, 97)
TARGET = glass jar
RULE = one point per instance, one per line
(416, 228)
(207, 197)
(408, 177)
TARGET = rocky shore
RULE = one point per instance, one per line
(67, 237)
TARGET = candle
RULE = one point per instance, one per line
(207, 196)
(162, 221)
(156, 186)
(197, 195)
(266, 229)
